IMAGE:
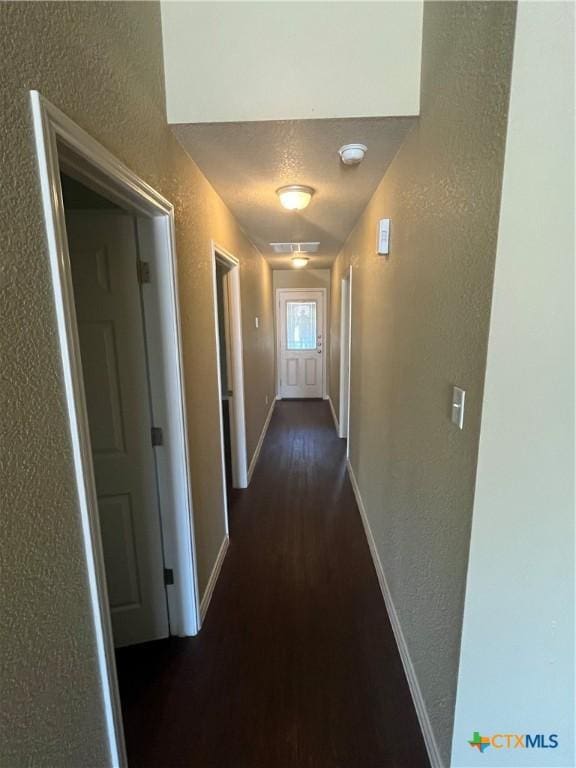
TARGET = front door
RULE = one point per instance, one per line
(103, 255)
(301, 343)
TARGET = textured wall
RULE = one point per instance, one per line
(301, 278)
(522, 545)
(420, 324)
(101, 63)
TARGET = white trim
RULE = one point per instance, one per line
(419, 703)
(345, 336)
(219, 392)
(334, 416)
(61, 143)
(237, 409)
(260, 442)
(208, 592)
(277, 321)
(47, 153)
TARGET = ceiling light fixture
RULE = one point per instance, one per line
(299, 261)
(295, 197)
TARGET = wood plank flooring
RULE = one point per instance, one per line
(296, 665)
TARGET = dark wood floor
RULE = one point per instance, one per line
(296, 665)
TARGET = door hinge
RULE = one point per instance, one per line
(143, 270)
(168, 577)
(157, 436)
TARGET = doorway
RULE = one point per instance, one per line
(300, 326)
(225, 372)
(228, 326)
(345, 348)
(62, 147)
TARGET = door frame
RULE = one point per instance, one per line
(237, 405)
(278, 321)
(345, 354)
(61, 145)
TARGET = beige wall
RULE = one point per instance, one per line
(420, 324)
(259, 345)
(301, 278)
(101, 63)
(298, 60)
(522, 546)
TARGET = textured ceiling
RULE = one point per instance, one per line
(247, 162)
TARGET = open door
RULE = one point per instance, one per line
(104, 260)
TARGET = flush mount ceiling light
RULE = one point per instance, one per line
(295, 197)
(352, 154)
(299, 261)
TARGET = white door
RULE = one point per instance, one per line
(300, 343)
(103, 256)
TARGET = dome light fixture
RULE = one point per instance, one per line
(295, 197)
(299, 261)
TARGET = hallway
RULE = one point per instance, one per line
(296, 665)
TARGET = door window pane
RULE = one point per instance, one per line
(300, 325)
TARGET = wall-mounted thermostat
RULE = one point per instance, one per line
(383, 237)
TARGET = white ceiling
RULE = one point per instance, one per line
(247, 162)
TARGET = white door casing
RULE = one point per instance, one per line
(235, 367)
(227, 384)
(62, 145)
(300, 323)
(345, 349)
(103, 254)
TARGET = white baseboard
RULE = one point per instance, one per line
(205, 602)
(254, 461)
(419, 704)
(334, 416)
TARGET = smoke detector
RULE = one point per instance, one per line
(352, 154)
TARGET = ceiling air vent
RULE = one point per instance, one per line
(295, 247)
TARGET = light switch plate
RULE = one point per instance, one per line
(458, 398)
(383, 237)
(257, 322)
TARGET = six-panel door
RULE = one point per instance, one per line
(103, 256)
